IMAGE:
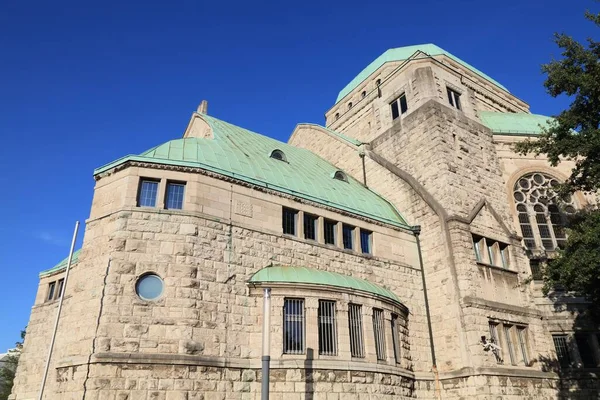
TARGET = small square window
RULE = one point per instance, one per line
(348, 236)
(454, 98)
(399, 106)
(310, 226)
(289, 220)
(366, 238)
(147, 193)
(174, 195)
(329, 231)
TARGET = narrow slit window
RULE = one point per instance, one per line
(59, 289)
(310, 226)
(174, 195)
(396, 338)
(509, 343)
(378, 331)
(147, 193)
(536, 270)
(355, 324)
(289, 219)
(477, 247)
(51, 287)
(491, 249)
(329, 231)
(504, 256)
(586, 350)
(494, 338)
(454, 98)
(327, 328)
(348, 236)
(293, 326)
(522, 336)
(561, 345)
(366, 238)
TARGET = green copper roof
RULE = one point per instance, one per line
(281, 274)
(62, 264)
(404, 53)
(514, 123)
(245, 155)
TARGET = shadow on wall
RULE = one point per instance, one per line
(309, 384)
(577, 381)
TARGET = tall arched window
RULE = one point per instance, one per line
(541, 216)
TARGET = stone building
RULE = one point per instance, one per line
(393, 239)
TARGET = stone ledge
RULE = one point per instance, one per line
(497, 268)
(469, 301)
(516, 372)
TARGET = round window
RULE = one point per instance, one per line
(149, 287)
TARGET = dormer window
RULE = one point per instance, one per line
(340, 176)
(278, 155)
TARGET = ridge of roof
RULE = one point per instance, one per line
(404, 53)
(245, 155)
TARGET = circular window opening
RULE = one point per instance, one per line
(149, 287)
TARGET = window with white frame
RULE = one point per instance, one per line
(378, 331)
(454, 98)
(399, 106)
(147, 192)
(293, 326)
(541, 215)
(355, 325)
(491, 252)
(174, 195)
(327, 328)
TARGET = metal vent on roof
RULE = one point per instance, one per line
(278, 155)
(340, 176)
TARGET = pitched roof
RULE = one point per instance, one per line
(287, 274)
(514, 123)
(404, 53)
(62, 264)
(245, 155)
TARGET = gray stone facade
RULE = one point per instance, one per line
(443, 169)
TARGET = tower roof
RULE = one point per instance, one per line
(245, 155)
(404, 53)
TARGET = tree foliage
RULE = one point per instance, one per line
(8, 370)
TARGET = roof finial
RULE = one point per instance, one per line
(203, 107)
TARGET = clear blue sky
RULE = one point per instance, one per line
(83, 83)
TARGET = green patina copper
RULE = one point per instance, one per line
(404, 53)
(239, 153)
(62, 264)
(285, 274)
(514, 123)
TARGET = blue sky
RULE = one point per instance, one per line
(84, 83)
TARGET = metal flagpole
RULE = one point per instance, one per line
(60, 303)
(266, 344)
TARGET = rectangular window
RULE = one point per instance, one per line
(148, 191)
(522, 336)
(510, 349)
(494, 338)
(586, 350)
(399, 106)
(293, 326)
(454, 98)
(365, 241)
(327, 328)
(51, 287)
(491, 249)
(348, 236)
(174, 195)
(396, 338)
(378, 331)
(357, 344)
(562, 350)
(289, 218)
(504, 256)
(477, 245)
(59, 290)
(310, 226)
(329, 231)
(536, 270)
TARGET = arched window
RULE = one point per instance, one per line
(349, 105)
(278, 155)
(340, 176)
(541, 215)
(363, 94)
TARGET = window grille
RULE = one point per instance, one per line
(327, 328)
(399, 106)
(494, 337)
(522, 336)
(51, 287)
(348, 236)
(365, 241)
(396, 338)
(293, 326)
(562, 350)
(329, 231)
(453, 98)
(378, 331)
(357, 345)
(147, 193)
(310, 226)
(289, 218)
(174, 195)
(509, 343)
(586, 350)
(535, 196)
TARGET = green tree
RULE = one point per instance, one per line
(575, 135)
(9, 368)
